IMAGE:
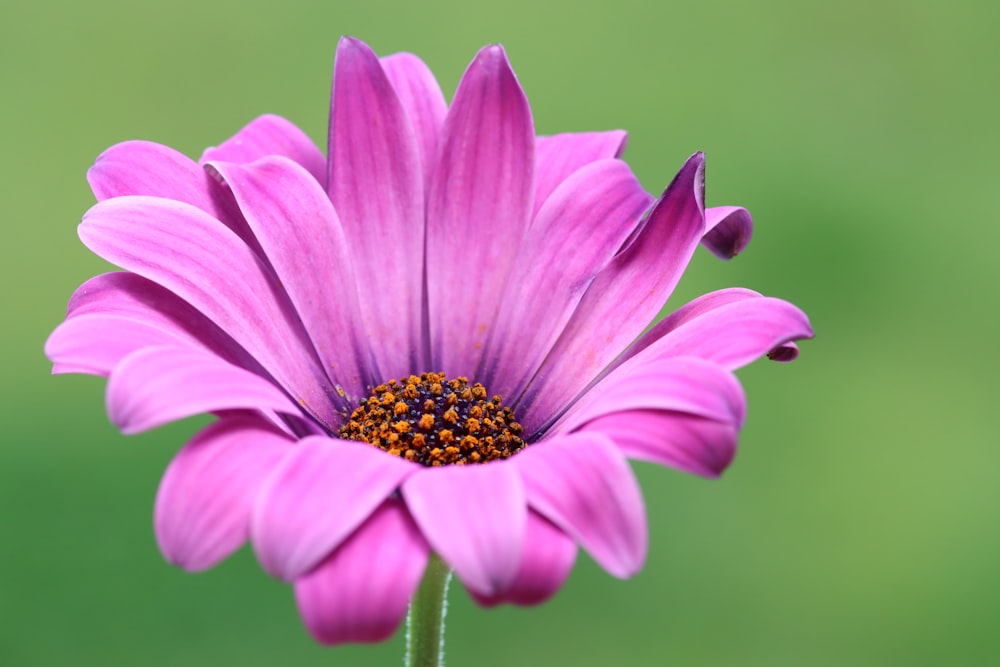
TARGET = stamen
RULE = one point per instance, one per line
(435, 421)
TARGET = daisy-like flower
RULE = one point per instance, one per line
(427, 342)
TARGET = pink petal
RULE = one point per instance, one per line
(731, 334)
(478, 207)
(727, 230)
(474, 516)
(270, 135)
(128, 296)
(689, 311)
(319, 496)
(158, 385)
(376, 185)
(114, 314)
(153, 170)
(421, 97)
(600, 205)
(583, 484)
(549, 555)
(94, 344)
(361, 592)
(623, 299)
(299, 231)
(189, 253)
(679, 440)
(678, 384)
(784, 353)
(203, 506)
(559, 155)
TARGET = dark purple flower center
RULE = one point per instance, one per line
(435, 421)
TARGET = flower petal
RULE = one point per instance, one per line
(474, 516)
(95, 344)
(549, 555)
(731, 334)
(361, 592)
(599, 204)
(689, 311)
(189, 253)
(687, 442)
(114, 314)
(130, 296)
(153, 170)
(376, 185)
(319, 496)
(299, 231)
(784, 353)
(478, 207)
(623, 299)
(559, 155)
(202, 512)
(158, 385)
(583, 484)
(270, 135)
(678, 384)
(421, 97)
(727, 230)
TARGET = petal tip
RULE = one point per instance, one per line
(784, 353)
(493, 56)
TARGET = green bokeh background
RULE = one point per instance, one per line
(858, 525)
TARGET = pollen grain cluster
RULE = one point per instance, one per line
(435, 421)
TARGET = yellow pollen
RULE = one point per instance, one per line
(433, 420)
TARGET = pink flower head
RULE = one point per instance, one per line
(281, 291)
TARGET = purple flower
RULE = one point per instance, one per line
(282, 291)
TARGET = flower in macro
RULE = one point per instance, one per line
(428, 341)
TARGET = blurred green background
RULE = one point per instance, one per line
(859, 523)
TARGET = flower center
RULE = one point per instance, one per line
(435, 421)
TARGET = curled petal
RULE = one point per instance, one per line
(784, 353)
(158, 385)
(549, 555)
(623, 299)
(361, 592)
(582, 483)
(478, 207)
(599, 204)
(559, 155)
(473, 516)
(727, 230)
(319, 496)
(270, 135)
(203, 506)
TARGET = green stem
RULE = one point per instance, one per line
(425, 620)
